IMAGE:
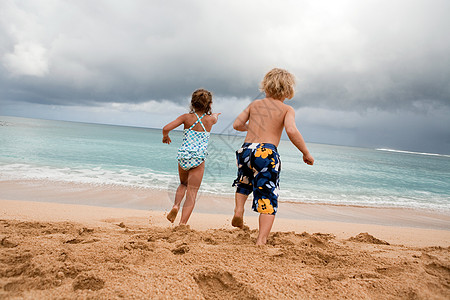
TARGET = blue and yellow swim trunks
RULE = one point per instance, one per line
(259, 167)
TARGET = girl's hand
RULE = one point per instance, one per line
(166, 140)
(308, 159)
(216, 115)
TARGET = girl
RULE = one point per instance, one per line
(192, 153)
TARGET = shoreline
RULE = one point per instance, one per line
(162, 200)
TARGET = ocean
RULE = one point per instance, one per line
(109, 155)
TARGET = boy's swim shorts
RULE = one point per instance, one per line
(259, 167)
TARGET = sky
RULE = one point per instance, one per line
(369, 73)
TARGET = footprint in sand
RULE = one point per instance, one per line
(439, 270)
(15, 286)
(275, 252)
(88, 282)
(181, 249)
(7, 242)
(73, 241)
(364, 237)
(140, 245)
(222, 285)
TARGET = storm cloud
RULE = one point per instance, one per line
(350, 58)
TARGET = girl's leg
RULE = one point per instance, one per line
(238, 218)
(265, 225)
(193, 184)
(179, 195)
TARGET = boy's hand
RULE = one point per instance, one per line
(166, 140)
(308, 159)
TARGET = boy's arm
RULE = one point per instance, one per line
(295, 136)
(240, 124)
(172, 125)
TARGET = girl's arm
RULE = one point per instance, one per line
(240, 124)
(172, 125)
(216, 117)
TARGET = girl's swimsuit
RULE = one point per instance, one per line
(193, 151)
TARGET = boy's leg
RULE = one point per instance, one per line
(243, 185)
(265, 193)
(265, 225)
(194, 181)
(179, 195)
(238, 218)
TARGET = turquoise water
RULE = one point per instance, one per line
(135, 157)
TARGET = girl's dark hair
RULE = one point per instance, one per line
(201, 101)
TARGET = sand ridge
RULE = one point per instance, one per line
(52, 260)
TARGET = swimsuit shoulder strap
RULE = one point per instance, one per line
(199, 119)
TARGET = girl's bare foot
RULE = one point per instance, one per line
(237, 222)
(260, 242)
(172, 215)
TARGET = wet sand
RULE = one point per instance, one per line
(162, 200)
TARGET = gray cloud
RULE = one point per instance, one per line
(351, 59)
(412, 130)
(350, 54)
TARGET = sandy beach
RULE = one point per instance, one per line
(70, 251)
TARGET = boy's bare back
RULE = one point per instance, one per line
(266, 121)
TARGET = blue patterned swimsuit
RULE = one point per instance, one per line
(194, 149)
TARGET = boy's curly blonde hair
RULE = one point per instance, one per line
(201, 101)
(278, 84)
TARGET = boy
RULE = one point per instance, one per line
(258, 161)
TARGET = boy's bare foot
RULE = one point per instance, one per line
(237, 222)
(172, 215)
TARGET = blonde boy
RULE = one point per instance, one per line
(258, 161)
